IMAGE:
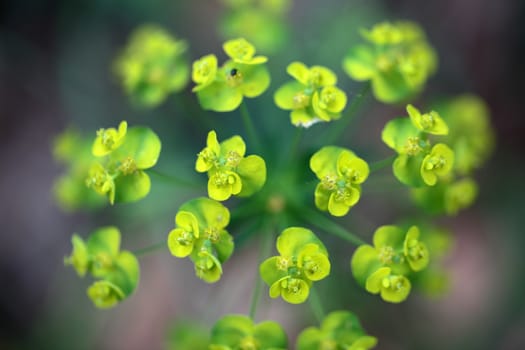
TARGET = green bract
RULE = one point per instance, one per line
(243, 75)
(471, 136)
(396, 58)
(448, 197)
(123, 156)
(303, 259)
(418, 163)
(339, 330)
(234, 332)
(262, 22)
(152, 66)
(341, 173)
(382, 269)
(200, 233)
(229, 171)
(70, 189)
(312, 97)
(117, 271)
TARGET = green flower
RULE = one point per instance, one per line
(447, 197)
(438, 163)
(152, 66)
(312, 97)
(382, 268)
(123, 158)
(418, 163)
(239, 332)
(108, 140)
(339, 330)
(341, 173)
(393, 288)
(471, 135)
(303, 259)
(200, 233)
(397, 59)
(117, 271)
(430, 122)
(244, 75)
(229, 171)
(75, 152)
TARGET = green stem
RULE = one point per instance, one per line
(315, 303)
(150, 249)
(338, 129)
(381, 163)
(324, 223)
(266, 247)
(248, 125)
(295, 142)
(174, 180)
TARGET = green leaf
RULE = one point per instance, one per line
(309, 339)
(360, 63)
(224, 246)
(104, 239)
(299, 71)
(374, 283)
(230, 330)
(391, 87)
(127, 275)
(364, 262)
(79, 257)
(104, 294)
(270, 335)
(270, 273)
(233, 144)
(407, 169)
(131, 188)
(209, 213)
(252, 171)
(438, 163)
(142, 145)
(324, 161)
(284, 96)
(292, 240)
(397, 132)
(389, 236)
(219, 97)
(256, 80)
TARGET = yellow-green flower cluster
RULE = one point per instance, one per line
(229, 171)
(222, 89)
(117, 272)
(384, 268)
(418, 162)
(397, 59)
(153, 65)
(312, 97)
(341, 174)
(303, 260)
(122, 156)
(472, 140)
(240, 332)
(262, 22)
(200, 233)
(339, 330)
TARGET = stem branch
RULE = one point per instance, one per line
(248, 125)
(381, 163)
(150, 249)
(315, 303)
(266, 247)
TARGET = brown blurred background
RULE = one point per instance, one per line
(55, 59)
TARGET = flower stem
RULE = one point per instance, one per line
(174, 180)
(266, 247)
(381, 163)
(248, 125)
(324, 223)
(150, 249)
(295, 142)
(315, 303)
(337, 129)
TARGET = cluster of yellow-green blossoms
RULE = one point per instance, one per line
(222, 89)
(312, 97)
(238, 332)
(122, 157)
(418, 162)
(117, 272)
(200, 233)
(303, 260)
(262, 22)
(471, 138)
(397, 59)
(339, 330)
(229, 171)
(341, 174)
(152, 66)
(383, 268)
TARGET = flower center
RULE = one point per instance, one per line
(413, 146)
(128, 166)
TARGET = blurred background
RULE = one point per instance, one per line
(55, 72)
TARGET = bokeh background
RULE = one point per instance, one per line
(55, 71)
